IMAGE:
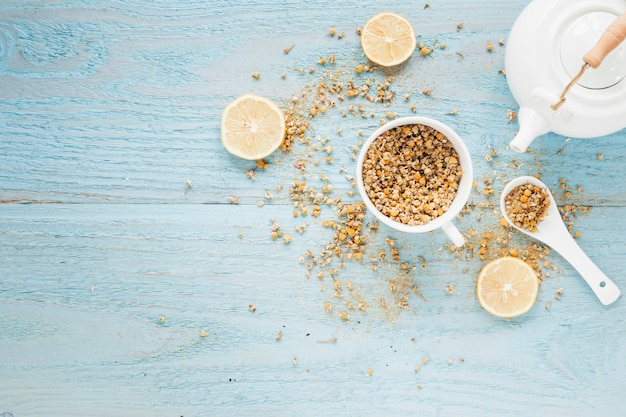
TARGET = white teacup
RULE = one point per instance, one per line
(444, 221)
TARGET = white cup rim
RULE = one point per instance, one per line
(465, 184)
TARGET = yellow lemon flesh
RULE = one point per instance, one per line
(252, 127)
(507, 287)
(388, 39)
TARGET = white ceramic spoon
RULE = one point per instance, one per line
(552, 231)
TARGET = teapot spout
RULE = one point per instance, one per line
(531, 125)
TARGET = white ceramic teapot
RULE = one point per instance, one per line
(545, 52)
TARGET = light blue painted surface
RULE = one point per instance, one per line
(107, 109)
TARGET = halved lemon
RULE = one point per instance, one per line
(507, 287)
(252, 127)
(388, 39)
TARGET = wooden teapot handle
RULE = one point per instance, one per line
(610, 39)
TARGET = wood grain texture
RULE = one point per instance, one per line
(115, 211)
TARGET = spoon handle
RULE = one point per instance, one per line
(605, 289)
(610, 39)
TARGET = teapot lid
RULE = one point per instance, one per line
(581, 35)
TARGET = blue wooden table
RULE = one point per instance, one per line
(139, 273)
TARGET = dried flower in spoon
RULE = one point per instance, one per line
(526, 205)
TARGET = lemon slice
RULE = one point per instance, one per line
(507, 287)
(388, 39)
(252, 127)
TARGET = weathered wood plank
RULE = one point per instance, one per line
(137, 116)
(100, 275)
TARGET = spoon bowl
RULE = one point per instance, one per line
(552, 231)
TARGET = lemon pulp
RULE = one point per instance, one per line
(252, 127)
(388, 39)
(507, 287)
